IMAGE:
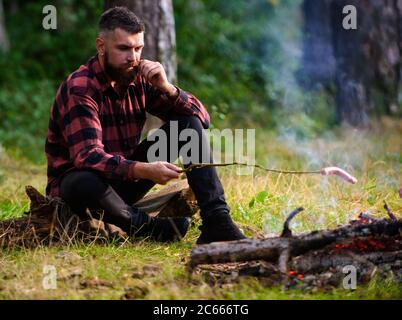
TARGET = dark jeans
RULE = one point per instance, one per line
(83, 189)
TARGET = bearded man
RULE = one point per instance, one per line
(95, 157)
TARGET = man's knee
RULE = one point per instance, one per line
(186, 122)
(194, 145)
(85, 185)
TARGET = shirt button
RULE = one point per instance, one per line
(121, 121)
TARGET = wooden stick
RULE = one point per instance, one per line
(391, 215)
(324, 171)
(286, 230)
(205, 165)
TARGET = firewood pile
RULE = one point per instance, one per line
(320, 259)
(50, 220)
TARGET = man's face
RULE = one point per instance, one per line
(122, 55)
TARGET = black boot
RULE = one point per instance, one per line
(159, 229)
(219, 227)
(137, 223)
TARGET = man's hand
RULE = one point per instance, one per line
(154, 73)
(159, 172)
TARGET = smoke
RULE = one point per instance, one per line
(299, 112)
(2, 152)
(288, 37)
(305, 140)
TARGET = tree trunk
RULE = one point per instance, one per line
(352, 76)
(363, 64)
(318, 59)
(160, 37)
(4, 43)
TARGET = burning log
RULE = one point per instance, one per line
(366, 244)
(320, 261)
(271, 249)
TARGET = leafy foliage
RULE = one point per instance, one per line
(239, 57)
(37, 62)
(222, 46)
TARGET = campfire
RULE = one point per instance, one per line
(368, 245)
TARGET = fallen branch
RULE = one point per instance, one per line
(51, 220)
(390, 214)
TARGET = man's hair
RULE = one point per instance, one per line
(120, 17)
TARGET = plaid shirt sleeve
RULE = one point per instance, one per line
(160, 105)
(82, 130)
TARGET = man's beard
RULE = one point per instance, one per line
(121, 75)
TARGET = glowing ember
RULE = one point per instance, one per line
(367, 245)
(293, 273)
(363, 218)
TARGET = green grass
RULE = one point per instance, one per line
(259, 203)
(22, 275)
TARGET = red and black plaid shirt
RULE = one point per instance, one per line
(92, 127)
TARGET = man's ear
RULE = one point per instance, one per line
(100, 45)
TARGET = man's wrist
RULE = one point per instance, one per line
(137, 170)
(172, 91)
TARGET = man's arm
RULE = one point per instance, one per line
(82, 130)
(163, 99)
